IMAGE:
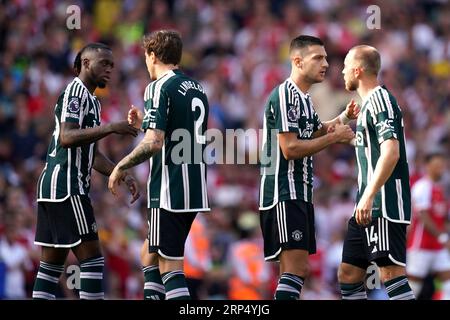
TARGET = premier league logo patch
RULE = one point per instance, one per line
(74, 105)
(293, 113)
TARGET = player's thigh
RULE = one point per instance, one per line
(90, 245)
(391, 245)
(391, 272)
(168, 232)
(54, 255)
(386, 241)
(87, 250)
(65, 224)
(289, 225)
(355, 251)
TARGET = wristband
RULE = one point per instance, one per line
(343, 118)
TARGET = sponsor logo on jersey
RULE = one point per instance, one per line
(385, 126)
(307, 132)
(359, 139)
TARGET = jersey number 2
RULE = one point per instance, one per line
(197, 103)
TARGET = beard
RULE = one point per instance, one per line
(101, 84)
(351, 85)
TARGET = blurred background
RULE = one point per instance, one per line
(239, 52)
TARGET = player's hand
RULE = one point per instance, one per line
(331, 129)
(363, 214)
(343, 133)
(135, 117)
(132, 187)
(352, 110)
(115, 178)
(122, 127)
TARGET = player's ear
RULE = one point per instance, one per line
(297, 61)
(152, 57)
(85, 63)
(357, 72)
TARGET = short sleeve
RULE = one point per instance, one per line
(72, 109)
(285, 113)
(156, 109)
(383, 117)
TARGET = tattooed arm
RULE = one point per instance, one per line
(150, 145)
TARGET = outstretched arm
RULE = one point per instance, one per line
(72, 136)
(350, 113)
(151, 144)
(294, 148)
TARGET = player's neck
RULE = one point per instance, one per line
(300, 82)
(90, 85)
(161, 70)
(366, 86)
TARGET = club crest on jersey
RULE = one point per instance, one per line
(294, 113)
(297, 235)
(74, 105)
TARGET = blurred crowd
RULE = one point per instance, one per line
(239, 52)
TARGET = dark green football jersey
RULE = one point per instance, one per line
(68, 170)
(177, 105)
(381, 119)
(288, 109)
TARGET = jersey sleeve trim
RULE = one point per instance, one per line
(71, 110)
(282, 106)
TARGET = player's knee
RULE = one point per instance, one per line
(167, 265)
(144, 257)
(391, 272)
(303, 270)
(295, 262)
(147, 258)
(347, 275)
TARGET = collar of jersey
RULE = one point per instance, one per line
(81, 82)
(177, 71)
(304, 95)
(371, 92)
